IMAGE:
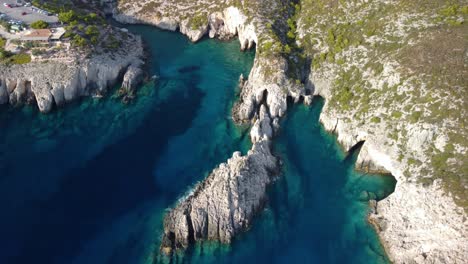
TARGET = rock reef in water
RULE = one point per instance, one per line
(58, 82)
(225, 203)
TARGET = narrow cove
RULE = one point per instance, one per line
(90, 183)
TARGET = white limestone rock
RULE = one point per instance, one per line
(57, 82)
(133, 77)
(193, 34)
(262, 129)
(225, 203)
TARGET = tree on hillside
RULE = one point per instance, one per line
(67, 17)
(40, 24)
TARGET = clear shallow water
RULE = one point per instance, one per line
(90, 183)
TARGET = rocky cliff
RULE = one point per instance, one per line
(53, 82)
(382, 89)
(225, 203)
(372, 96)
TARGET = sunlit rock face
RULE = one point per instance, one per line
(55, 83)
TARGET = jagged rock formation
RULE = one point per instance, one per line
(220, 24)
(133, 77)
(55, 83)
(417, 223)
(225, 203)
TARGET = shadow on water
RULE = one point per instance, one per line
(316, 212)
(118, 179)
(320, 205)
(90, 183)
(317, 209)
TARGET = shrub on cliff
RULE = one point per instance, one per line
(8, 58)
(199, 21)
(5, 25)
(79, 41)
(4, 54)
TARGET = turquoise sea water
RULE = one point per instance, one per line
(90, 183)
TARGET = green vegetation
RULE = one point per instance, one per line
(112, 43)
(40, 24)
(453, 15)
(9, 58)
(21, 58)
(199, 21)
(414, 116)
(2, 43)
(79, 41)
(67, 16)
(375, 119)
(5, 25)
(83, 28)
(54, 6)
(397, 114)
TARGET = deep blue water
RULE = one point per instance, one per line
(90, 183)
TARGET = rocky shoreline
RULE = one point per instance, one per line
(56, 83)
(415, 224)
(418, 223)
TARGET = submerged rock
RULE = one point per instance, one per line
(225, 203)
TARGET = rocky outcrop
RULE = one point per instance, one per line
(231, 22)
(222, 25)
(55, 83)
(262, 130)
(225, 203)
(267, 76)
(133, 77)
(194, 34)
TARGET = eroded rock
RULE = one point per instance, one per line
(54, 83)
(225, 203)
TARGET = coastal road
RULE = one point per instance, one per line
(31, 16)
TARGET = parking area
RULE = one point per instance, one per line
(27, 14)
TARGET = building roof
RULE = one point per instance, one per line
(57, 33)
(39, 33)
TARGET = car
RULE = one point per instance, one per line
(7, 5)
(24, 13)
